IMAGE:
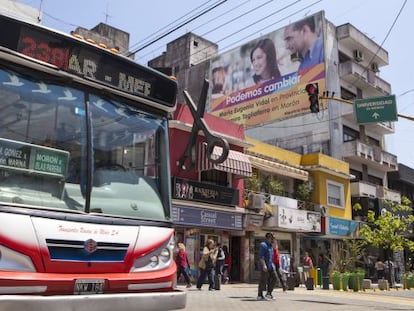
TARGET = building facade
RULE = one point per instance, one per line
(350, 68)
(276, 111)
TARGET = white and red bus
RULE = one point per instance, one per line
(85, 193)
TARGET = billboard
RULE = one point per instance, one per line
(264, 80)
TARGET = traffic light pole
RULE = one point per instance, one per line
(352, 102)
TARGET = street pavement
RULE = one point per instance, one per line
(240, 297)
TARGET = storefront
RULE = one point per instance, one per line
(196, 224)
(327, 244)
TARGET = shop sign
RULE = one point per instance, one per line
(301, 220)
(253, 222)
(193, 216)
(342, 227)
(197, 191)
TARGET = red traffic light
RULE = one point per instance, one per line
(312, 88)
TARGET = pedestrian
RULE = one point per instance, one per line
(323, 264)
(227, 265)
(379, 267)
(183, 264)
(266, 267)
(389, 272)
(220, 260)
(276, 262)
(307, 266)
(219, 267)
(206, 265)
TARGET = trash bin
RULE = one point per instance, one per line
(319, 271)
(325, 282)
(313, 273)
(291, 282)
(309, 283)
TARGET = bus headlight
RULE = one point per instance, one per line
(158, 259)
(11, 260)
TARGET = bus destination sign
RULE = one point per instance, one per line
(33, 158)
(85, 60)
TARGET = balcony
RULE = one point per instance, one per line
(372, 156)
(358, 76)
(388, 194)
(363, 189)
(366, 189)
(351, 39)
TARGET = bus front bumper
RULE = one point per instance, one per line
(100, 302)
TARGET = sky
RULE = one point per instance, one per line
(230, 23)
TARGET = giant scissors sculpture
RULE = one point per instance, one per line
(186, 161)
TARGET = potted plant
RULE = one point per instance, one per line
(272, 186)
(303, 193)
(356, 280)
(357, 208)
(252, 183)
(340, 280)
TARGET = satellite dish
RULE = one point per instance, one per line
(383, 211)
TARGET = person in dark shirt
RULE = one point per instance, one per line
(266, 267)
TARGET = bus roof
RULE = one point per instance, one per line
(76, 56)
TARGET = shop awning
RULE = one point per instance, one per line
(278, 168)
(236, 163)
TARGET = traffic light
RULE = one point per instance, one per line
(313, 93)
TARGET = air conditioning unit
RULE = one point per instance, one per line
(374, 67)
(358, 56)
(256, 201)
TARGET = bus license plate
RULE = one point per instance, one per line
(87, 287)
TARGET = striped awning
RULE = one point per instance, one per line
(236, 163)
(278, 168)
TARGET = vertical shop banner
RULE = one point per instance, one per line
(244, 91)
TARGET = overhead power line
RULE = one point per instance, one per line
(167, 26)
(231, 10)
(176, 28)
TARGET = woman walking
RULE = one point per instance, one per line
(182, 264)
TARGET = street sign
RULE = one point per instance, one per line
(376, 109)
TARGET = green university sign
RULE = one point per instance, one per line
(376, 109)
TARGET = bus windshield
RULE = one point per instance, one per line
(68, 148)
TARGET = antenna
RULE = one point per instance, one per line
(107, 16)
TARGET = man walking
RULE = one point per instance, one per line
(267, 271)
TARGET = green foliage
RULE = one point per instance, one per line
(272, 186)
(252, 183)
(349, 256)
(357, 207)
(303, 191)
(389, 230)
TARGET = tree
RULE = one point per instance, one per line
(390, 229)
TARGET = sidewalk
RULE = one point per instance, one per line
(242, 296)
